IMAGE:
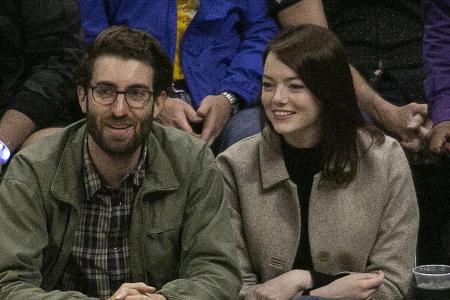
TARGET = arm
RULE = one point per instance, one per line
(208, 268)
(436, 46)
(24, 237)
(93, 18)
(407, 123)
(243, 76)
(394, 249)
(50, 35)
(249, 278)
(303, 12)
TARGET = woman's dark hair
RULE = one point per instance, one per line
(127, 43)
(318, 58)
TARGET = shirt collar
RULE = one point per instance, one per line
(92, 180)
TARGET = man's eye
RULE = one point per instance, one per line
(137, 93)
(105, 91)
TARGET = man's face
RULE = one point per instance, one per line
(117, 128)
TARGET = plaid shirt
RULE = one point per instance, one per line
(99, 262)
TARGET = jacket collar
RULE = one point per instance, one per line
(273, 169)
(67, 184)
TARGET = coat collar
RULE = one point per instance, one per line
(273, 169)
(67, 184)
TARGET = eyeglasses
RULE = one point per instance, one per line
(136, 97)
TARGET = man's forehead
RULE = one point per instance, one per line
(121, 70)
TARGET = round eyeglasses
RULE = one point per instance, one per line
(136, 97)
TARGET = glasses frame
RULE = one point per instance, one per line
(124, 93)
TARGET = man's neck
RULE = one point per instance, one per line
(112, 168)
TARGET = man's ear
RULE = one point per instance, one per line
(82, 98)
(160, 100)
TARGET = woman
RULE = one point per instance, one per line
(322, 204)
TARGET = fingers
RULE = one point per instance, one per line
(192, 115)
(375, 281)
(209, 131)
(130, 289)
(421, 109)
(440, 137)
(416, 121)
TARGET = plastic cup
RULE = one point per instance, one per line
(432, 277)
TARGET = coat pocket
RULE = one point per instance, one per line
(162, 254)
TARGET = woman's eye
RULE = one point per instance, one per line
(296, 87)
(267, 85)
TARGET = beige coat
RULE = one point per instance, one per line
(369, 225)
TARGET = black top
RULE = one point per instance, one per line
(302, 165)
(40, 45)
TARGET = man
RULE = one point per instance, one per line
(216, 47)
(117, 206)
(40, 46)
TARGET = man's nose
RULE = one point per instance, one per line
(120, 106)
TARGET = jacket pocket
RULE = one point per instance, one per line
(162, 253)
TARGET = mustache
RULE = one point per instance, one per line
(122, 122)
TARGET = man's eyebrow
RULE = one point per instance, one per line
(136, 85)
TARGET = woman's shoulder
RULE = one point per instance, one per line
(243, 151)
(383, 149)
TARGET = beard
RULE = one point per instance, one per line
(117, 144)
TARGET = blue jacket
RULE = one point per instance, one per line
(221, 50)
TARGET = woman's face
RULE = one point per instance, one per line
(289, 105)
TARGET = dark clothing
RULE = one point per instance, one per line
(40, 45)
(436, 55)
(380, 33)
(302, 165)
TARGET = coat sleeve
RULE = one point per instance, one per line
(51, 41)
(436, 56)
(93, 17)
(244, 73)
(24, 237)
(208, 268)
(249, 279)
(395, 246)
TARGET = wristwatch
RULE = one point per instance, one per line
(4, 153)
(234, 101)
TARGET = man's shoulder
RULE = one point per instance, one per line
(44, 156)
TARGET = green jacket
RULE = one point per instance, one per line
(180, 240)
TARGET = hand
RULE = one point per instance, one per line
(409, 123)
(177, 113)
(440, 138)
(135, 291)
(215, 110)
(356, 286)
(283, 287)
